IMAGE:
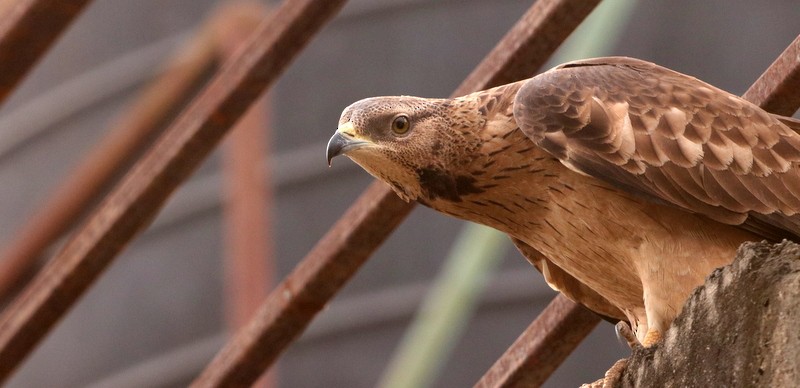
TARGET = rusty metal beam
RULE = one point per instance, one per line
(248, 196)
(249, 259)
(27, 29)
(375, 214)
(540, 348)
(550, 22)
(778, 89)
(295, 301)
(127, 137)
(132, 205)
(249, 262)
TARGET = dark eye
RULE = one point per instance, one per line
(400, 124)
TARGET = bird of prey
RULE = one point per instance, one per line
(623, 182)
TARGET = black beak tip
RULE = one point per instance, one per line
(335, 146)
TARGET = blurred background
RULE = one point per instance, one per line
(159, 314)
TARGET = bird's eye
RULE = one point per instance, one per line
(400, 124)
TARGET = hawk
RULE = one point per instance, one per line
(623, 182)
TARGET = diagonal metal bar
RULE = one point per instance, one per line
(778, 89)
(133, 130)
(134, 202)
(27, 29)
(542, 347)
(295, 301)
(375, 214)
(531, 359)
(549, 23)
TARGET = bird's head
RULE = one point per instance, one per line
(408, 142)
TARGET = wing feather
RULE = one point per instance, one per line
(692, 183)
(717, 157)
(720, 194)
(670, 137)
(647, 151)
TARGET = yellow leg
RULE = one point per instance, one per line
(614, 374)
(652, 337)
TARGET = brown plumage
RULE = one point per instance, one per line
(623, 182)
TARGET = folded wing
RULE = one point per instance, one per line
(669, 137)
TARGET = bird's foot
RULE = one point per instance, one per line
(651, 338)
(624, 330)
(613, 376)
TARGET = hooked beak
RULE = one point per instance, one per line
(343, 141)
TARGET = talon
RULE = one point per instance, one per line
(624, 330)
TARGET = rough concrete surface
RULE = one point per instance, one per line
(737, 330)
